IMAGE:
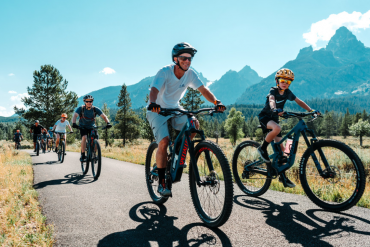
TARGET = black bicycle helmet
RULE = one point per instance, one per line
(88, 96)
(181, 48)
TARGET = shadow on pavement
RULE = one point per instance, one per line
(292, 223)
(73, 178)
(47, 163)
(156, 227)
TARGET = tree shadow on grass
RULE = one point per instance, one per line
(73, 178)
(293, 223)
(156, 227)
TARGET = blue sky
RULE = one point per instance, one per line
(134, 39)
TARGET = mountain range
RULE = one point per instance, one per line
(341, 69)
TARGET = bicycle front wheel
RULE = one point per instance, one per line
(213, 198)
(151, 174)
(37, 148)
(251, 183)
(62, 150)
(96, 160)
(343, 181)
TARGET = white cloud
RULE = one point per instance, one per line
(18, 97)
(108, 71)
(5, 113)
(12, 92)
(11, 74)
(325, 29)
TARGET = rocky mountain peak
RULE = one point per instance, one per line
(344, 44)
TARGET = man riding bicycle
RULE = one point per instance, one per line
(36, 130)
(60, 126)
(166, 90)
(17, 138)
(87, 114)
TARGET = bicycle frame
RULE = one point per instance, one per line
(298, 130)
(184, 140)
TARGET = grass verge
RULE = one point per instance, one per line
(21, 221)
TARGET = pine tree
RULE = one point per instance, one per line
(128, 122)
(327, 124)
(47, 99)
(107, 134)
(346, 122)
(192, 101)
(233, 125)
(146, 130)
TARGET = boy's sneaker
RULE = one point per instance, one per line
(289, 183)
(163, 191)
(264, 155)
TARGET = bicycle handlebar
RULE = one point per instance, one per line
(171, 111)
(300, 114)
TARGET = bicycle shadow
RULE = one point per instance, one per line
(302, 228)
(73, 178)
(47, 163)
(157, 227)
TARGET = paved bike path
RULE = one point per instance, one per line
(116, 211)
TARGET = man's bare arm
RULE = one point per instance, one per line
(153, 94)
(207, 94)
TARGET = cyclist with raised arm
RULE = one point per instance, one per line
(17, 138)
(269, 116)
(166, 90)
(87, 114)
(60, 127)
(36, 130)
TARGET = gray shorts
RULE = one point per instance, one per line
(159, 124)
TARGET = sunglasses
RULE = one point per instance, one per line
(285, 81)
(182, 58)
(63, 117)
(88, 101)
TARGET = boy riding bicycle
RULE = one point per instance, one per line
(269, 116)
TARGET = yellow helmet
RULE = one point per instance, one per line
(285, 73)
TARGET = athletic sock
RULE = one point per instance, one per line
(161, 176)
(264, 145)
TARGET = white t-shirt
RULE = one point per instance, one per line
(61, 127)
(170, 88)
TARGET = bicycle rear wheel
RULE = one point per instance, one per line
(96, 160)
(344, 180)
(251, 183)
(151, 174)
(213, 199)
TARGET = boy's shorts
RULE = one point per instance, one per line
(265, 119)
(158, 123)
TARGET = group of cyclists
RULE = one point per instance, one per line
(166, 91)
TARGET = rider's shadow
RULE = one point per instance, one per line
(73, 178)
(301, 228)
(157, 227)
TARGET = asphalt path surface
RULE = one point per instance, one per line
(116, 210)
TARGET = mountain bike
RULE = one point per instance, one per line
(93, 156)
(44, 144)
(18, 144)
(38, 144)
(210, 178)
(51, 144)
(62, 146)
(331, 173)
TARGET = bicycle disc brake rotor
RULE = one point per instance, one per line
(248, 174)
(215, 182)
(333, 174)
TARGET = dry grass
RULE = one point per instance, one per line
(21, 221)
